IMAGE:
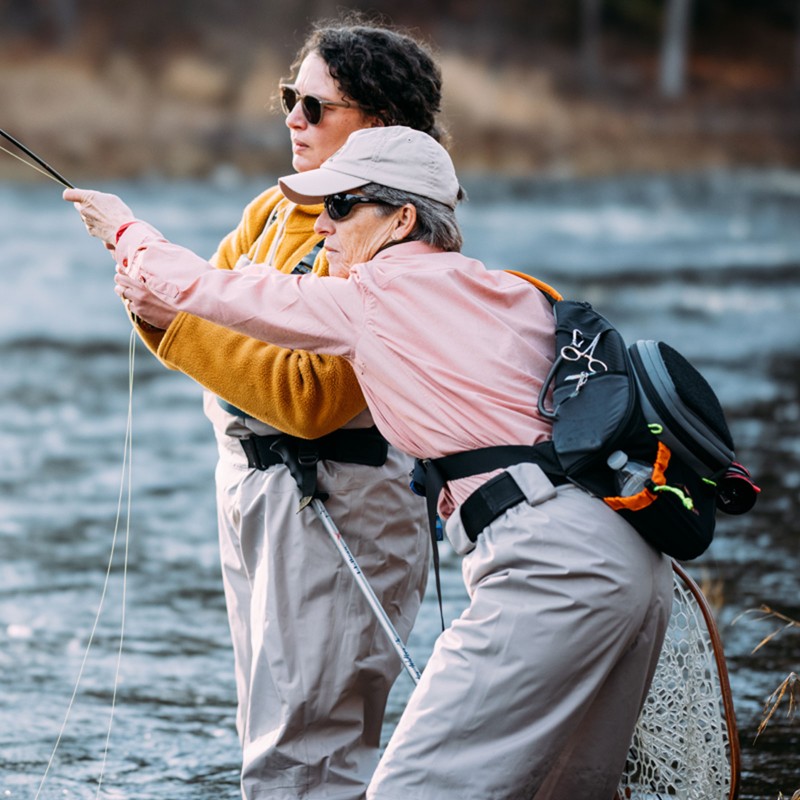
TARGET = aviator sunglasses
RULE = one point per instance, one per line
(312, 106)
(338, 206)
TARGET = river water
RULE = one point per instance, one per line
(707, 262)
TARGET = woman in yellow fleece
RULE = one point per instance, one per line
(313, 669)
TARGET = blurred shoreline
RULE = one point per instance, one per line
(191, 116)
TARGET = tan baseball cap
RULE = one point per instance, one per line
(394, 156)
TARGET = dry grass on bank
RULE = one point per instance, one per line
(191, 115)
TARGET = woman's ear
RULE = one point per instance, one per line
(404, 222)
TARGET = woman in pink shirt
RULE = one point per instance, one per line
(534, 691)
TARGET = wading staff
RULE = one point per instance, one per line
(48, 170)
(363, 584)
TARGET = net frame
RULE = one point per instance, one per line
(686, 743)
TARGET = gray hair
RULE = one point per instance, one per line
(436, 222)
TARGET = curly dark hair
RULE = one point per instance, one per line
(389, 74)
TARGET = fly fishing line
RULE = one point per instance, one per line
(124, 491)
(43, 167)
(126, 458)
(28, 164)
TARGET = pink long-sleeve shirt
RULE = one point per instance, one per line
(450, 355)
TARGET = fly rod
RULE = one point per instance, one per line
(46, 168)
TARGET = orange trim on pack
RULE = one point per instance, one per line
(635, 502)
(541, 285)
(662, 462)
(644, 498)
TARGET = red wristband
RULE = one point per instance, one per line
(122, 229)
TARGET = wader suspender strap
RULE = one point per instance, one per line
(307, 262)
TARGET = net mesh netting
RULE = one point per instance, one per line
(681, 746)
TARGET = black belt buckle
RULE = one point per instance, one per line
(307, 454)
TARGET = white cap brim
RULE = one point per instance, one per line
(307, 188)
(393, 156)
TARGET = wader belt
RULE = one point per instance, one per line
(349, 445)
(488, 501)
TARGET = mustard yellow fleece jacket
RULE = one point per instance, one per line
(300, 393)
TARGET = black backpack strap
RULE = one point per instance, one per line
(428, 481)
(488, 459)
(431, 474)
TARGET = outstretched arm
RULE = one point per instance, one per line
(309, 312)
(301, 393)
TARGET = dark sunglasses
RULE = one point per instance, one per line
(338, 206)
(312, 106)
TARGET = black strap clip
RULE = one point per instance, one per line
(301, 458)
(253, 453)
(349, 445)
